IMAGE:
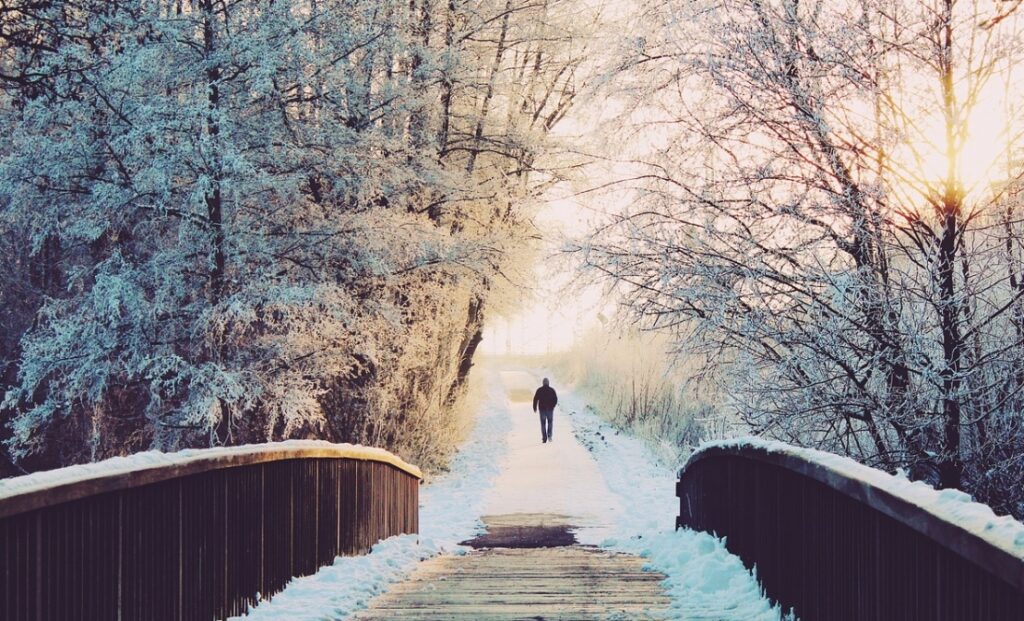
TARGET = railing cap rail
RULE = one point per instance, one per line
(949, 517)
(53, 487)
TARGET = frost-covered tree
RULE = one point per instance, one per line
(805, 222)
(241, 221)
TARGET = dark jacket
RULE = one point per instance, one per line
(545, 398)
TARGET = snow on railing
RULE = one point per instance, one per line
(836, 539)
(198, 534)
(50, 487)
(949, 505)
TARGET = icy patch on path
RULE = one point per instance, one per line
(704, 580)
(450, 509)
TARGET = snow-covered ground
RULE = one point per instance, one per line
(559, 478)
(450, 510)
(607, 483)
(704, 580)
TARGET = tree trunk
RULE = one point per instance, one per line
(214, 201)
(473, 336)
(950, 463)
(499, 54)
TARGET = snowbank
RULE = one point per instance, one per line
(949, 505)
(704, 580)
(348, 585)
(451, 506)
(449, 514)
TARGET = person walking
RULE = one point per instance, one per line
(545, 400)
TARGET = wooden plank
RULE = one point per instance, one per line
(574, 582)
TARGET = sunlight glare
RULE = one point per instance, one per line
(981, 161)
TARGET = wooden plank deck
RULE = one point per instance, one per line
(555, 582)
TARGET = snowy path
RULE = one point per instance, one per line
(591, 485)
(528, 564)
(560, 477)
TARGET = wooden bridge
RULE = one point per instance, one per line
(203, 535)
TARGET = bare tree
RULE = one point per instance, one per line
(794, 227)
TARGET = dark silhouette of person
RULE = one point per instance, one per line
(545, 400)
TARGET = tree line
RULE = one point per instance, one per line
(231, 221)
(815, 221)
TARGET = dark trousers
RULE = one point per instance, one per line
(547, 419)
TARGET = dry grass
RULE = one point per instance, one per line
(635, 383)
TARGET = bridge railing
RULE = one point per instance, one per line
(835, 540)
(200, 534)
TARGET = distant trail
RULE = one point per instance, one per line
(549, 531)
(529, 564)
(560, 477)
